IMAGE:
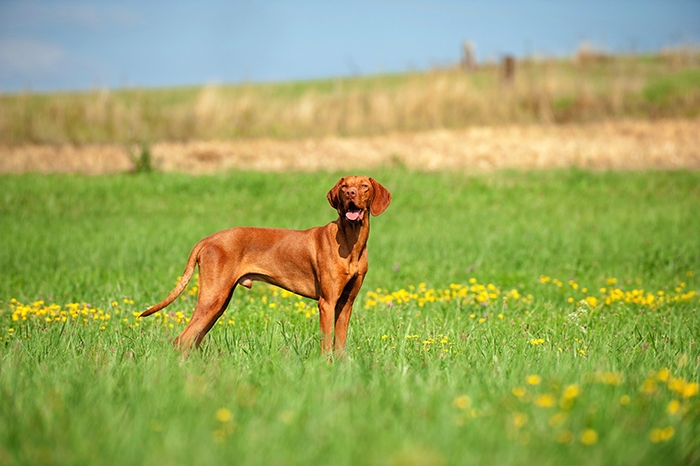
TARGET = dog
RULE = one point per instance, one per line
(326, 263)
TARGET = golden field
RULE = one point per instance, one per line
(626, 145)
(591, 111)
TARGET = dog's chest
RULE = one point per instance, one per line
(355, 266)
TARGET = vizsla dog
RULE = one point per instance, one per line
(325, 263)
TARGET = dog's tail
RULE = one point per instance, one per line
(184, 280)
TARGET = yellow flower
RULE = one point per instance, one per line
(690, 389)
(519, 420)
(545, 401)
(462, 402)
(649, 386)
(661, 435)
(534, 379)
(223, 415)
(663, 375)
(610, 378)
(625, 400)
(673, 407)
(519, 392)
(589, 437)
(571, 392)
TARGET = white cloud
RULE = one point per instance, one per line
(28, 55)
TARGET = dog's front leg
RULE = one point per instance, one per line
(326, 311)
(343, 312)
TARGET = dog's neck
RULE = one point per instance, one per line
(353, 235)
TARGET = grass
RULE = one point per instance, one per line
(517, 318)
(543, 91)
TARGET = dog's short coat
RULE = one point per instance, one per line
(326, 263)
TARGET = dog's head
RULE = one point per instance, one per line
(352, 196)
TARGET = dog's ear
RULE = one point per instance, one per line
(381, 200)
(333, 195)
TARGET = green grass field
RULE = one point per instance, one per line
(510, 318)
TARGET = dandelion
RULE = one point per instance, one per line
(591, 301)
(569, 395)
(545, 401)
(661, 435)
(649, 386)
(571, 392)
(610, 378)
(536, 341)
(519, 392)
(519, 420)
(663, 375)
(223, 415)
(589, 437)
(534, 379)
(625, 400)
(673, 407)
(462, 402)
(690, 389)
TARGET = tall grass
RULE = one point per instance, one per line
(458, 370)
(543, 91)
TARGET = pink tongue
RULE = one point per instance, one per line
(355, 215)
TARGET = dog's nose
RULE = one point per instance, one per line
(351, 192)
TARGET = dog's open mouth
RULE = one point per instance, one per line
(353, 213)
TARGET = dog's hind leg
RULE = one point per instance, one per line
(206, 313)
(216, 285)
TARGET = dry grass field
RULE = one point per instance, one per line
(626, 145)
(591, 111)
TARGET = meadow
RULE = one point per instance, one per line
(535, 317)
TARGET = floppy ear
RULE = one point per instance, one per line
(381, 199)
(333, 195)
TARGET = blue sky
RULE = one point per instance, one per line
(62, 45)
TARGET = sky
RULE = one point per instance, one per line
(75, 45)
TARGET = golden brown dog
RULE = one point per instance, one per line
(325, 263)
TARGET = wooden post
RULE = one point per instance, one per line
(508, 70)
(468, 56)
